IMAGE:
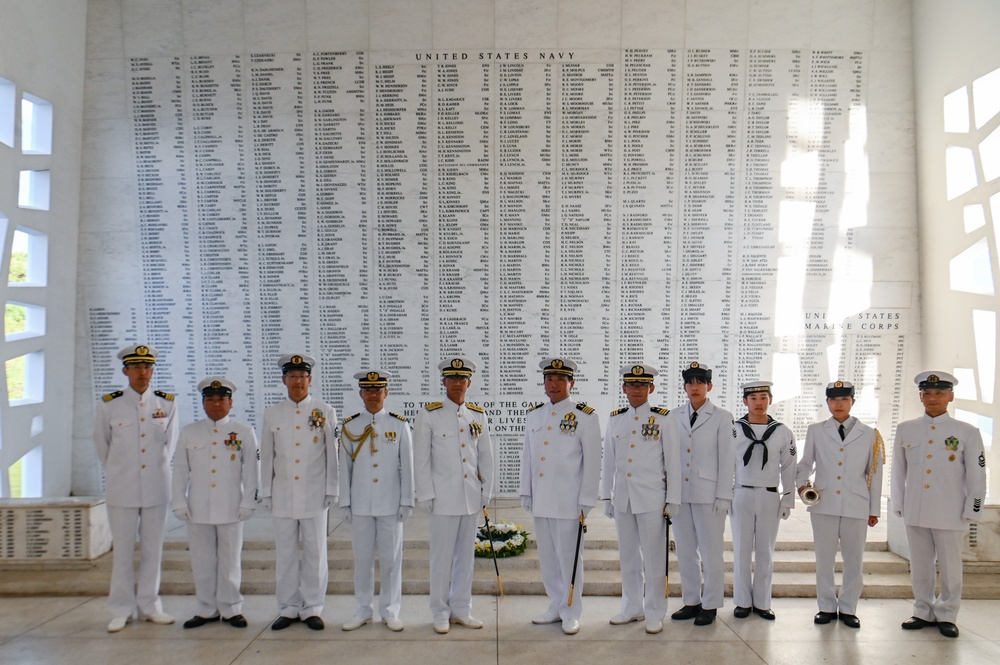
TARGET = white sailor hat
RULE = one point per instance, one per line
(840, 389)
(296, 361)
(374, 378)
(756, 387)
(457, 366)
(135, 354)
(563, 366)
(217, 385)
(941, 380)
(638, 373)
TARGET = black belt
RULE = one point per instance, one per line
(754, 487)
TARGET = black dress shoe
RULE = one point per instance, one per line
(764, 614)
(916, 623)
(236, 621)
(823, 618)
(741, 612)
(315, 623)
(850, 620)
(686, 612)
(283, 622)
(704, 618)
(197, 621)
(948, 629)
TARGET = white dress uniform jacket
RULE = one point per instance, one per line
(135, 437)
(299, 465)
(216, 470)
(561, 459)
(707, 452)
(453, 458)
(841, 469)
(380, 478)
(939, 473)
(640, 471)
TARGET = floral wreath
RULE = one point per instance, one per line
(509, 539)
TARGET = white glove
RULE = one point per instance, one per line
(526, 503)
(671, 509)
(426, 505)
(722, 506)
(266, 502)
(244, 514)
(404, 513)
(329, 501)
(345, 512)
(182, 513)
(609, 510)
(784, 512)
(585, 509)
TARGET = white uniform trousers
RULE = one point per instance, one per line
(642, 549)
(947, 545)
(850, 532)
(755, 530)
(556, 540)
(215, 562)
(301, 580)
(453, 551)
(385, 533)
(126, 595)
(698, 533)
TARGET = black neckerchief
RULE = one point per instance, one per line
(744, 422)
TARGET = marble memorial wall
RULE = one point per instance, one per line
(387, 209)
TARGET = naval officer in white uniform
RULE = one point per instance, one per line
(764, 492)
(706, 436)
(216, 478)
(640, 488)
(299, 482)
(560, 474)
(135, 431)
(848, 457)
(453, 475)
(938, 488)
(376, 497)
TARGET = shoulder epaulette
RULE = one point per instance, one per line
(115, 395)
(620, 411)
(474, 407)
(583, 407)
(399, 417)
(349, 418)
(433, 406)
(535, 406)
(660, 410)
(167, 396)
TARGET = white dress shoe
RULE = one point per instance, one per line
(441, 626)
(117, 624)
(393, 624)
(622, 619)
(547, 617)
(571, 626)
(654, 627)
(356, 622)
(161, 618)
(469, 621)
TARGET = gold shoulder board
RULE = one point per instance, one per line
(115, 395)
(474, 407)
(620, 411)
(349, 418)
(399, 417)
(533, 407)
(586, 409)
(434, 406)
(660, 410)
(167, 396)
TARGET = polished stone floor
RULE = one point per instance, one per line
(57, 630)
